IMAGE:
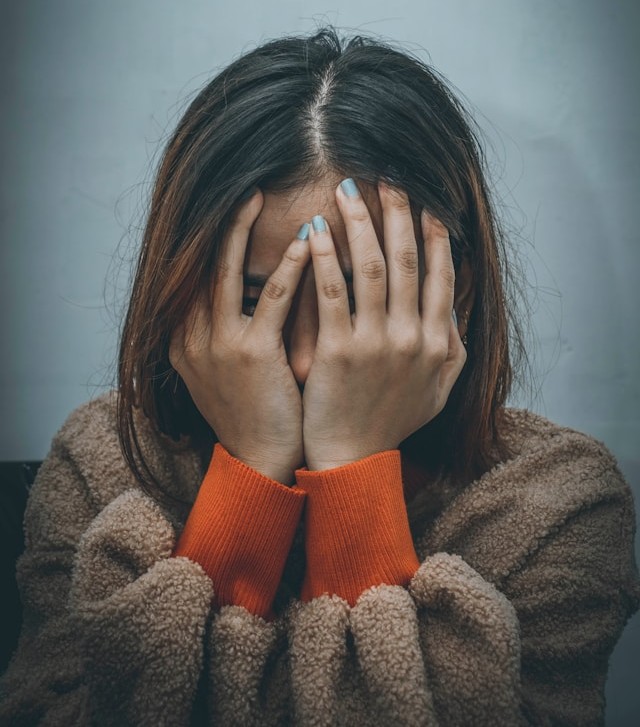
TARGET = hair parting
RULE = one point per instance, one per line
(291, 111)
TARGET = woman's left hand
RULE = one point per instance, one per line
(383, 372)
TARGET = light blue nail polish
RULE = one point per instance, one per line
(349, 187)
(454, 316)
(303, 232)
(319, 223)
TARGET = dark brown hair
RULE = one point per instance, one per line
(289, 112)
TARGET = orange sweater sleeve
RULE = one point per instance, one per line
(240, 531)
(356, 528)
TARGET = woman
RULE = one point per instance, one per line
(307, 502)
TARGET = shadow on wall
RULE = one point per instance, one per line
(586, 367)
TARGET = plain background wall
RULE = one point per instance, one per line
(91, 89)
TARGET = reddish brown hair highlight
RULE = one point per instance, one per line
(289, 112)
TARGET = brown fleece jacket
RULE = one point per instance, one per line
(526, 579)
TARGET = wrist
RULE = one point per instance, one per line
(276, 463)
(280, 470)
(317, 462)
(319, 465)
(284, 474)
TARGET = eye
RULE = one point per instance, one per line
(250, 298)
(352, 298)
(249, 304)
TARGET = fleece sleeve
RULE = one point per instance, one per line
(44, 680)
(116, 618)
(106, 610)
(525, 586)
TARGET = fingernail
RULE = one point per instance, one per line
(349, 187)
(318, 223)
(303, 232)
(248, 193)
(454, 316)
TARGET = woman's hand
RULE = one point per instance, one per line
(235, 366)
(383, 372)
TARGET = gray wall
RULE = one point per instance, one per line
(90, 90)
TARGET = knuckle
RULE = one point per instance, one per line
(334, 350)
(340, 357)
(360, 213)
(448, 276)
(247, 354)
(332, 289)
(333, 347)
(293, 257)
(324, 252)
(374, 270)
(274, 289)
(407, 259)
(439, 350)
(398, 198)
(409, 343)
(400, 203)
(439, 228)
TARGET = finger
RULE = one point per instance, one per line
(453, 365)
(331, 288)
(228, 288)
(191, 334)
(176, 347)
(439, 283)
(401, 252)
(279, 290)
(198, 324)
(367, 258)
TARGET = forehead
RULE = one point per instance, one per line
(284, 212)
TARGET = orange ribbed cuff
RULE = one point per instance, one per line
(356, 528)
(240, 530)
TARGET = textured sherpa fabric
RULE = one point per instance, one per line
(526, 579)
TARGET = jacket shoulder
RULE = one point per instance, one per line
(547, 456)
(89, 443)
(554, 474)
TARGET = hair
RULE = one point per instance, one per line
(288, 113)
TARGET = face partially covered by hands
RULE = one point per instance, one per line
(327, 350)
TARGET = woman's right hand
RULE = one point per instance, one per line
(235, 366)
